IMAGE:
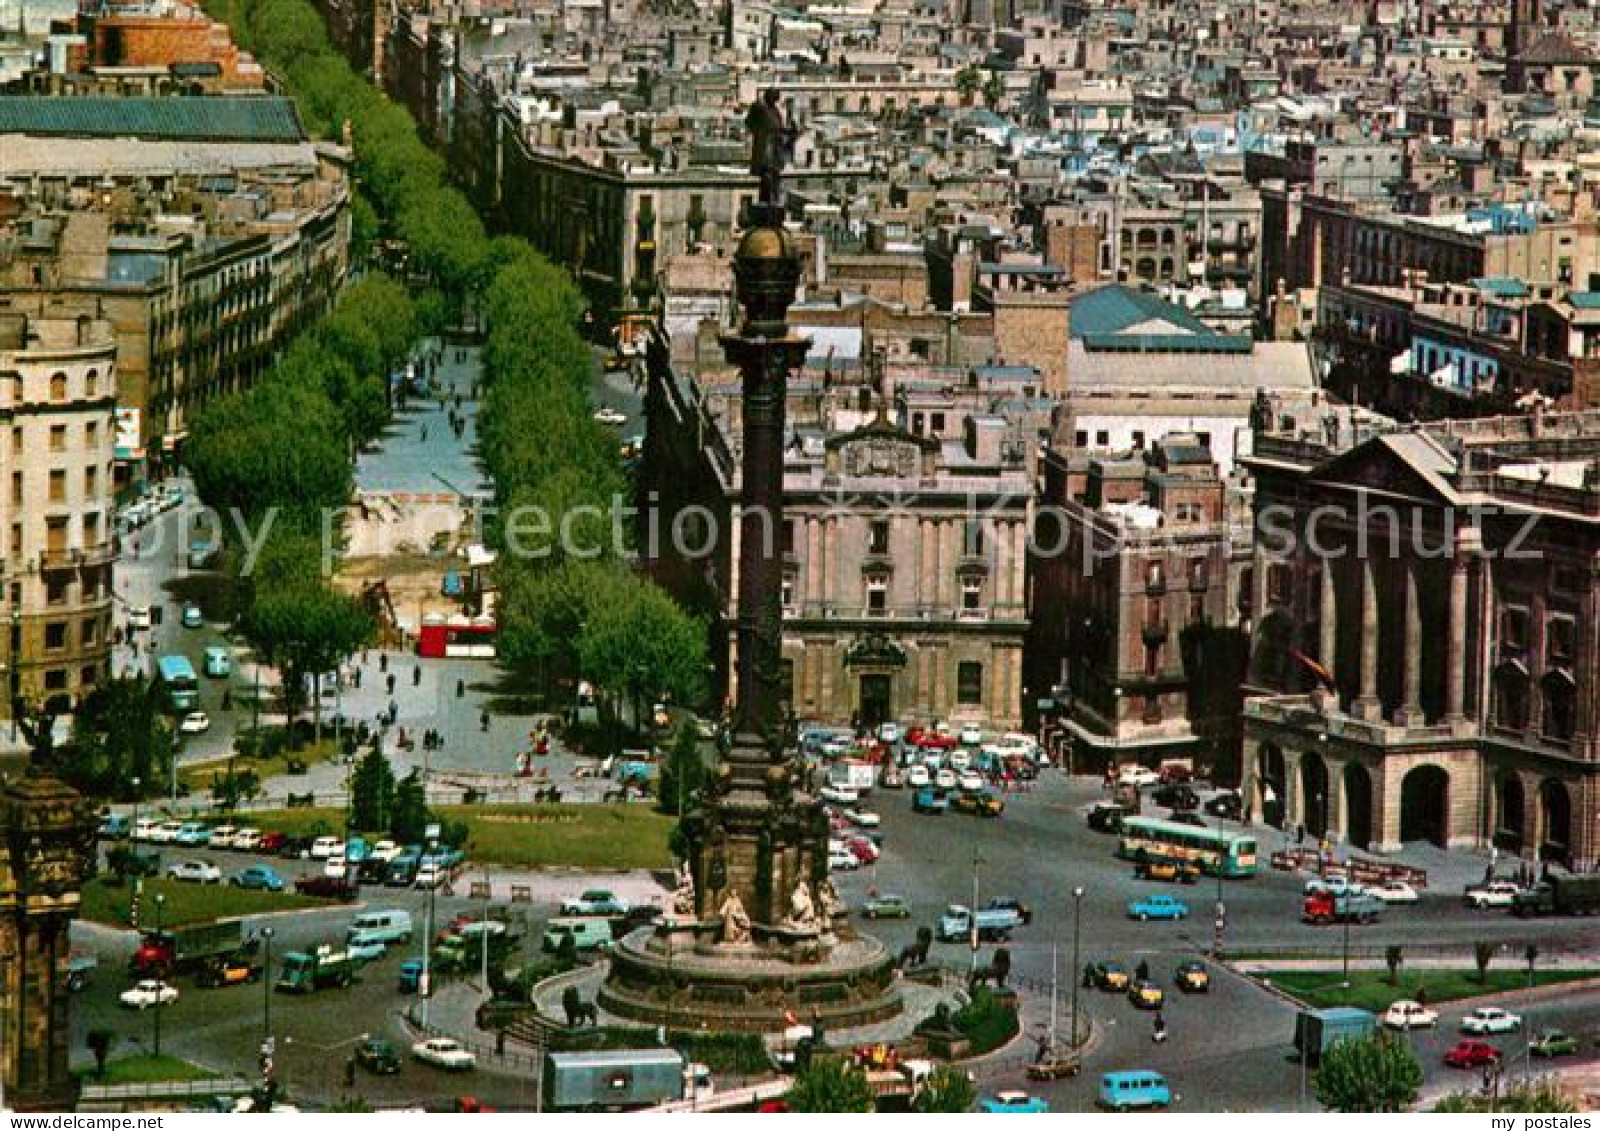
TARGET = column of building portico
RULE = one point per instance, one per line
(1249, 781)
(1338, 813)
(1455, 670)
(1367, 705)
(1409, 713)
(1328, 627)
(950, 549)
(1294, 799)
(813, 588)
(1386, 808)
(1258, 589)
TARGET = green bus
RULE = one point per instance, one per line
(1147, 838)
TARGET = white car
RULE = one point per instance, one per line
(1137, 775)
(889, 733)
(195, 722)
(945, 779)
(1406, 1014)
(195, 872)
(225, 836)
(165, 833)
(865, 818)
(1333, 885)
(139, 617)
(143, 995)
(1490, 1019)
(609, 415)
(442, 1052)
(917, 777)
(970, 736)
(325, 846)
(144, 829)
(335, 866)
(960, 758)
(1497, 893)
(839, 794)
(971, 781)
(844, 861)
(385, 850)
(431, 875)
(1395, 891)
(245, 840)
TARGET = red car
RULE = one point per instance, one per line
(862, 849)
(327, 887)
(1472, 1054)
(271, 843)
(930, 739)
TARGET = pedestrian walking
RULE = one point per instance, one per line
(416, 675)
(390, 683)
(483, 720)
(461, 688)
(383, 661)
(1159, 1033)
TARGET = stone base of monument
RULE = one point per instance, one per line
(677, 975)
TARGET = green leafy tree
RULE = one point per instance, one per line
(831, 1084)
(1482, 956)
(638, 643)
(408, 822)
(304, 628)
(683, 774)
(119, 734)
(994, 89)
(969, 80)
(1378, 1074)
(372, 792)
(947, 1090)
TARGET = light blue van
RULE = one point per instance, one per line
(1134, 1089)
(218, 664)
(381, 927)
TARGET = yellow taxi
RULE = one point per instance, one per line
(1193, 977)
(1146, 995)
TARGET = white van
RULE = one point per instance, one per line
(379, 927)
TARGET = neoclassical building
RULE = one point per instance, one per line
(1425, 612)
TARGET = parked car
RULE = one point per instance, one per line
(596, 901)
(839, 794)
(1406, 1014)
(1496, 893)
(271, 842)
(257, 877)
(930, 801)
(378, 1056)
(1106, 816)
(410, 977)
(862, 849)
(970, 780)
(886, 907)
(192, 617)
(1395, 891)
(1487, 1019)
(147, 993)
(195, 722)
(1472, 1054)
(114, 826)
(1229, 806)
(195, 872)
(217, 663)
(430, 874)
(842, 862)
(611, 416)
(970, 736)
(1158, 907)
(1009, 903)
(327, 887)
(1167, 871)
(193, 834)
(246, 840)
(1554, 1042)
(164, 832)
(918, 777)
(384, 851)
(1137, 776)
(324, 846)
(982, 802)
(945, 778)
(1176, 796)
(1192, 977)
(443, 1052)
(866, 818)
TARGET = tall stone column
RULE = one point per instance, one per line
(1455, 663)
(1328, 625)
(1409, 713)
(1249, 779)
(1294, 800)
(1338, 805)
(1367, 705)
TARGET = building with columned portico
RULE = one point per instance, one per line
(1425, 615)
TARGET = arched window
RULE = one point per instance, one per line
(1511, 696)
(91, 383)
(58, 386)
(1557, 690)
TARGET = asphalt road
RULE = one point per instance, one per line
(1228, 1050)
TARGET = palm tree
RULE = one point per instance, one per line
(1393, 957)
(1482, 955)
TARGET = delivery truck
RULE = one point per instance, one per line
(182, 949)
(1318, 1030)
(613, 1080)
(1559, 893)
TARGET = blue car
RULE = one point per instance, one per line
(1012, 1103)
(410, 981)
(1158, 907)
(193, 834)
(257, 877)
(1133, 1090)
(930, 801)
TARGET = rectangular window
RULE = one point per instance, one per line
(91, 434)
(1138, 439)
(90, 632)
(971, 594)
(1559, 637)
(1197, 573)
(16, 439)
(787, 592)
(58, 437)
(58, 485)
(969, 683)
(55, 679)
(91, 480)
(16, 488)
(938, 423)
(1155, 575)
(877, 593)
(878, 536)
(55, 635)
(55, 590)
(1514, 627)
(1080, 438)
(1102, 439)
(1197, 608)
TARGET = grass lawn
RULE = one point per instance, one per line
(198, 775)
(104, 902)
(1370, 989)
(524, 836)
(146, 1069)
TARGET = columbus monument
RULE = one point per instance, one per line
(756, 938)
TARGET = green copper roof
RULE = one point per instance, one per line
(246, 119)
(1111, 310)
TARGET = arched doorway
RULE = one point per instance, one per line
(1314, 793)
(1510, 811)
(1555, 818)
(1270, 773)
(1357, 805)
(1425, 805)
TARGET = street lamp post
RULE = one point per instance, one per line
(161, 900)
(1077, 935)
(266, 984)
(973, 910)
